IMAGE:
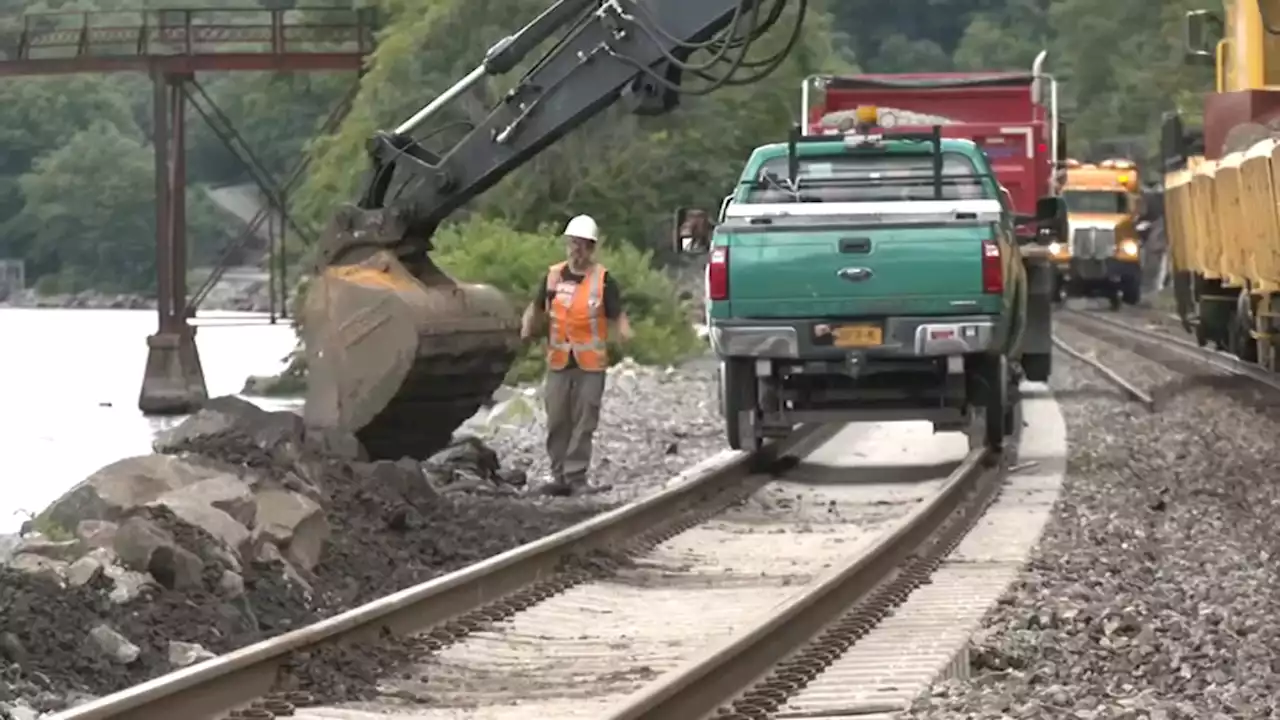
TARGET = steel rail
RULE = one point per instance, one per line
(1214, 358)
(1116, 378)
(815, 627)
(218, 686)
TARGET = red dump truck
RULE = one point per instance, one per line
(1012, 116)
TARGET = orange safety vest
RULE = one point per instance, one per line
(578, 324)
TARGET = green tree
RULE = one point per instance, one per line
(41, 114)
(1006, 38)
(85, 233)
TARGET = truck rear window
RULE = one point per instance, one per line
(868, 178)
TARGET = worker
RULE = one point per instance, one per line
(580, 300)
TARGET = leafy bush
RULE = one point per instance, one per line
(488, 251)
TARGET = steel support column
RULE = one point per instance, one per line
(173, 382)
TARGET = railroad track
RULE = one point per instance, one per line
(1106, 327)
(1183, 347)
(688, 604)
(1125, 385)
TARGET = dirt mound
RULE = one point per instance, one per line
(46, 627)
(156, 575)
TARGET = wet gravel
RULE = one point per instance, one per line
(383, 539)
(1153, 593)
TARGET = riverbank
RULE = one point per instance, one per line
(237, 290)
(255, 301)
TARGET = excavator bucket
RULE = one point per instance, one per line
(402, 360)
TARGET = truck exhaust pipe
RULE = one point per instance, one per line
(1037, 72)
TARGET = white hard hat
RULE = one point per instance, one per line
(583, 226)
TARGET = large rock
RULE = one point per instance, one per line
(62, 550)
(41, 566)
(227, 493)
(222, 506)
(228, 415)
(114, 645)
(143, 546)
(217, 523)
(226, 422)
(405, 476)
(118, 489)
(96, 533)
(295, 523)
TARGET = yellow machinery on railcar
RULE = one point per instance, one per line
(1221, 202)
(1103, 254)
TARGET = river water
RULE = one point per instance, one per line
(69, 382)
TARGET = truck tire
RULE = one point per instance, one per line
(1037, 366)
(1131, 289)
(738, 392)
(997, 404)
(991, 405)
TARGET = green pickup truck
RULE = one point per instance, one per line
(873, 278)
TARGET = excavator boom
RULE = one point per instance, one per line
(399, 352)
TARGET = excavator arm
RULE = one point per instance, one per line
(399, 352)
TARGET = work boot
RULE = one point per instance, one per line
(581, 487)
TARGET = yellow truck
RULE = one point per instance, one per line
(1102, 254)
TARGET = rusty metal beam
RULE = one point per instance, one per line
(185, 65)
(189, 40)
(291, 182)
(173, 381)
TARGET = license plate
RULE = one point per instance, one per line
(858, 336)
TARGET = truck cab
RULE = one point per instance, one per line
(1102, 255)
(871, 276)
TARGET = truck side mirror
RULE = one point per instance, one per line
(692, 231)
(1051, 217)
(1202, 29)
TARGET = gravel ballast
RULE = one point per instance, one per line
(1153, 591)
(382, 538)
(653, 424)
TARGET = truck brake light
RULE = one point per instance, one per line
(992, 268)
(718, 274)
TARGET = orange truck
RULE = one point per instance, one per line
(1102, 255)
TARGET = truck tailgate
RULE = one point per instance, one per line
(858, 271)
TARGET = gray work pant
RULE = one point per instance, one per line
(573, 397)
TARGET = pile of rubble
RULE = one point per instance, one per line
(242, 525)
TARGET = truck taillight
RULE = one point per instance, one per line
(718, 274)
(992, 268)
